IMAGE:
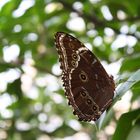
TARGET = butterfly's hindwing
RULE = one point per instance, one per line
(88, 87)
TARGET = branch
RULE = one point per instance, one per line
(92, 19)
(45, 70)
(131, 19)
(19, 63)
(97, 22)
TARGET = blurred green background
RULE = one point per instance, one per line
(32, 101)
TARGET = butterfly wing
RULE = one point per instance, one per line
(88, 87)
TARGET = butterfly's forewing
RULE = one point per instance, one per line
(88, 87)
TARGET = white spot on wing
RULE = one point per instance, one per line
(70, 38)
(82, 49)
(61, 39)
(94, 61)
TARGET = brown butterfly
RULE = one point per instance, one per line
(88, 87)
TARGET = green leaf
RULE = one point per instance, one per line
(131, 63)
(136, 92)
(135, 133)
(125, 124)
(123, 88)
(15, 88)
(120, 91)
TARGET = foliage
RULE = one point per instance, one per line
(32, 103)
(126, 123)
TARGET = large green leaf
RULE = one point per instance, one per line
(124, 87)
(120, 91)
(125, 125)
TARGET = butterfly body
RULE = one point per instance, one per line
(88, 87)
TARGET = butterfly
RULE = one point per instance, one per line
(87, 85)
